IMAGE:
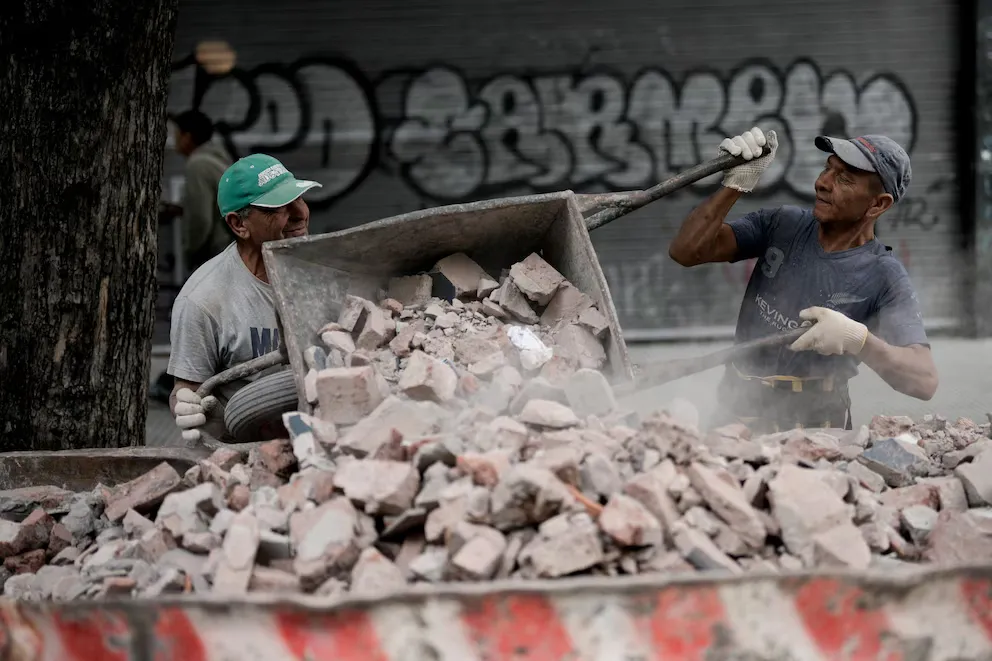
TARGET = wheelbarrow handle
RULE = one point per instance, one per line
(623, 204)
(663, 372)
(253, 366)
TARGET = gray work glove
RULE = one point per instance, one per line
(757, 149)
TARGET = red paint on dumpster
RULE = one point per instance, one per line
(680, 622)
(517, 627)
(844, 621)
(97, 634)
(345, 636)
(176, 639)
(977, 597)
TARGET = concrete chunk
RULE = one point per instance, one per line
(918, 521)
(428, 378)
(479, 556)
(898, 461)
(700, 551)
(841, 546)
(546, 413)
(577, 344)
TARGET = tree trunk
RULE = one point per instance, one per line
(84, 87)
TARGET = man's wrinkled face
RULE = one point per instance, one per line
(845, 194)
(286, 222)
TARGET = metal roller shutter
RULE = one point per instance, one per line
(402, 104)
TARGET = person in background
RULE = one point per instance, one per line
(204, 231)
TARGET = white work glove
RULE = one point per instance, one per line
(191, 413)
(832, 334)
(757, 149)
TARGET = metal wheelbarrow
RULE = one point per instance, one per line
(312, 276)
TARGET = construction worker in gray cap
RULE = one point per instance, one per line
(821, 264)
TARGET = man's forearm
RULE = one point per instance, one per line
(910, 370)
(697, 240)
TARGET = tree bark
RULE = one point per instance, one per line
(84, 88)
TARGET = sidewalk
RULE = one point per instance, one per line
(964, 366)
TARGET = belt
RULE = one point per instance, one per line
(791, 383)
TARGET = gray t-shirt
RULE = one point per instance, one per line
(223, 316)
(793, 272)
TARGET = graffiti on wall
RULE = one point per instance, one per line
(454, 139)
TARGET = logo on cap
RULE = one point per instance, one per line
(270, 173)
(867, 144)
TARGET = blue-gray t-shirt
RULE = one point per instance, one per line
(794, 272)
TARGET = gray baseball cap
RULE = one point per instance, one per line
(873, 153)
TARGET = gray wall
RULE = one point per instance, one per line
(397, 105)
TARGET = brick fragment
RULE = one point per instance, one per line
(462, 272)
(486, 287)
(326, 541)
(729, 502)
(375, 330)
(348, 394)
(804, 505)
(700, 551)
(959, 538)
(889, 426)
(536, 279)
(594, 321)
(477, 555)
(393, 416)
(237, 560)
(224, 458)
(338, 340)
(629, 523)
(918, 521)
(574, 548)
(353, 313)
(950, 492)
(411, 290)
(515, 304)
(143, 493)
(381, 487)
(401, 345)
(278, 581)
(575, 343)
(25, 563)
(375, 574)
(566, 305)
(427, 378)
(589, 393)
(976, 477)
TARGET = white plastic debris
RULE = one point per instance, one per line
(533, 352)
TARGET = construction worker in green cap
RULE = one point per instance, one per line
(225, 314)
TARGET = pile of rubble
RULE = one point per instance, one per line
(448, 444)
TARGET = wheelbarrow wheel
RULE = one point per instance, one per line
(254, 413)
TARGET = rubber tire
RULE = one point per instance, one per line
(258, 407)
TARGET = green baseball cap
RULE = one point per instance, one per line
(260, 181)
